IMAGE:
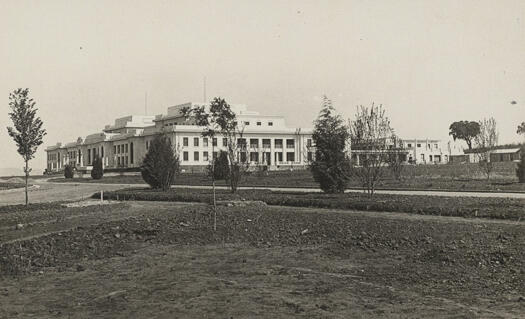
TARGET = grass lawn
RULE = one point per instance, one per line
(466, 177)
(151, 259)
(5, 186)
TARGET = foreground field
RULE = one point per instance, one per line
(152, 259)
(465, 177)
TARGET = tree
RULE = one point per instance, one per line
(521, 129)
(27, 131)
(220, 120)
(68, 171)
(97, 171)
(485, 141)
(464, 130)
(161, 164)
(370, 135)
(331, 166)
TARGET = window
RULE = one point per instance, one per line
(254, 157)
(310, 156)
(435, 145)
(241, 142)
(185, 141)
(290, 156)
(185, 156)
(195, 141)
(196, 156)
(258, 123)
(102, 151)
(214, 155)
(89, 156)
(147, 145)
(214, 141)
(205, 156)
(118, 161)
(266, 143)
(246, 123)
(418, 145)
(224, 141)
(205, 142)
(254, 143)
(409, 145)
(278, 143)
(125, 146)
(290, 143)
(131, 152)
(270, 123)
(309, 142)
(278, 157)
(115, 148)
(243, 157)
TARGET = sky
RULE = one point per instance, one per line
(429, 63)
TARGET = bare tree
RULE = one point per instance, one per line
(27, 132)
(370, 135)
(485, 141)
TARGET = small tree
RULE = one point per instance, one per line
(220, 120)
(331, 165)
(370, 134)
(161, 164)
(68, 171)
(464, 130)
(27, 131)
(485, 141)
(97, 171)
(396, 158)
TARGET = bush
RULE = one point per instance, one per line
(520, 171)
(160, 165)
(68, 171)
(221, 167)
(97, 171)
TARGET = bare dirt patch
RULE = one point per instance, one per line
(162, 259)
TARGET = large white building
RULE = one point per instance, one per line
(124, 144)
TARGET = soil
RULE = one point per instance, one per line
(139, 259)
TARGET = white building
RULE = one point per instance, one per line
(123, 145)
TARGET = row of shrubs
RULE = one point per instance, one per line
(497, 208)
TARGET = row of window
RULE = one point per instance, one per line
(258, 123)
(254, 142)
(254, 156)
(419, 145)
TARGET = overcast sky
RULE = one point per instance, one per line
(428, 62)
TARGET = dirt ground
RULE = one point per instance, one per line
(137, 260)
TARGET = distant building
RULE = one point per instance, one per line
(124, 144)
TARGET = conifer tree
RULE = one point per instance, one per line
(331, 166)
(97, 171)
(161, 164)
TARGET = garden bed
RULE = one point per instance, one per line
(497, 208)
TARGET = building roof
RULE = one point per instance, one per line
(505, 150)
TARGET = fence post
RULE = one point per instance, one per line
(101, 196)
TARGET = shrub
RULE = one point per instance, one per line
(97, 171)
(68, 171)
(221, 167)
(520, 171)
(160, 165)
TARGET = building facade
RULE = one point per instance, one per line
(123, 145)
